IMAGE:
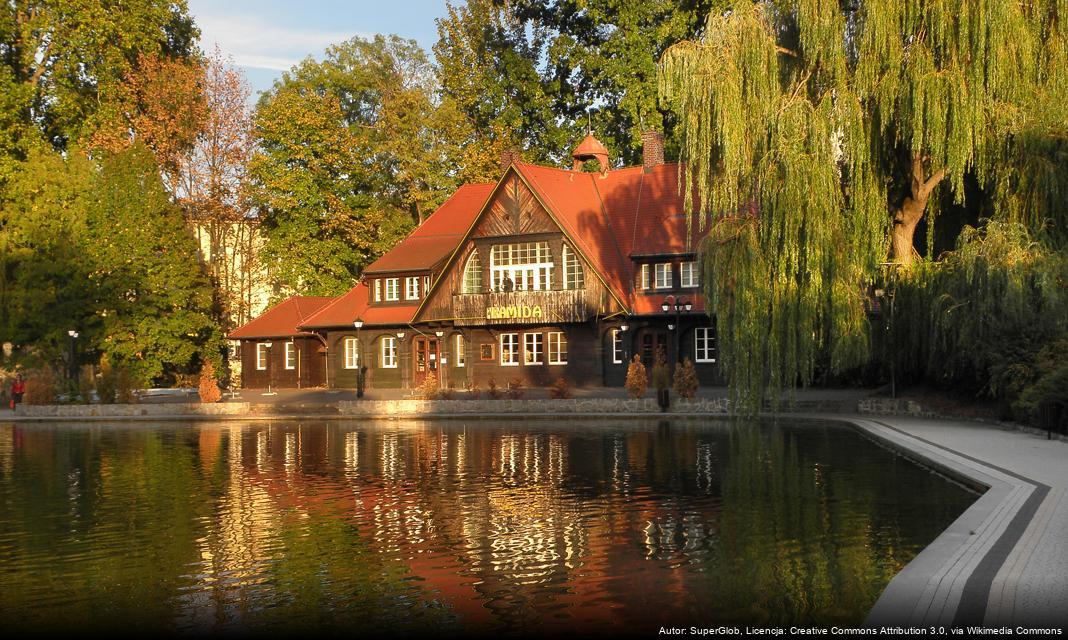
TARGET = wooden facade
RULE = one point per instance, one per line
(305, 366)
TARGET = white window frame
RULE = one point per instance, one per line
(352, 353)
(290, 352)
(460, 346)
(472, 280)
(513, 260)
(392, 289)
(704, 342)
(509, 355)
(262, 355)
(533, 349)
(411, 288)
(557, 355)
(389, 352)
(645, 279)
(574, 274)
(663, 269)
(617, 346)
(688, 275)
(377, 297)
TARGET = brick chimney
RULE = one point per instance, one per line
(508, 156)
(652, 149)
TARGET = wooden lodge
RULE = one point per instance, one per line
(546, 273)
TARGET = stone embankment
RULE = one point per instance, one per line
(170, 409)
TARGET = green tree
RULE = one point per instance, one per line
(99, 247)
(816, 134)
(62, 58)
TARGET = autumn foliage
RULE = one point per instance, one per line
(209, 385)
(637, 380)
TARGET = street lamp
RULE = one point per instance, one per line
(678, 306)
(267, 345)
(626, 350)
(73, 365)
(359, 358)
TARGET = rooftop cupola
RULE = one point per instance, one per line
(590, 149)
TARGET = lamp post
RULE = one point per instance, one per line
(399, 355)
(624, 339)
(73, 365)
(359, 359)
(440, 368)
(678, 306)
(268, 345)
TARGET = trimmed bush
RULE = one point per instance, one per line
(208, 385)
(637, 381)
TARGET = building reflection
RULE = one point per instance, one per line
(504, 526)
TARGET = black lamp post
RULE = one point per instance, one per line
(678, 306)
(623, 338)
(73, 365)
(359, 358)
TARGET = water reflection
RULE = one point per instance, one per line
(439, 525)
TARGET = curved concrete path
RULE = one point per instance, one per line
(1004, 561)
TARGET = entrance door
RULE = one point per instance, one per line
(649, 340)
(425, 359)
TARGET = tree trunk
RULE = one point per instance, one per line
(911, 211)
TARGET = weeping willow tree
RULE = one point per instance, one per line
(816, 133)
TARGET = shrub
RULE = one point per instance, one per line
(492, 390)
(474, 392)
(124, 386)
(105, 387)
(40, 387)
(86, 383)
(637, 381)
(686, 382)
(208, 385)
(428, 388)
(560, 390)
(515, 389)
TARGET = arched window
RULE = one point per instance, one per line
(473, 274)
(574, 276)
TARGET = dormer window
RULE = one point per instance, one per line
(663, 276)
(411, 288)
(688, 274)
(392, 289)
(473, 274)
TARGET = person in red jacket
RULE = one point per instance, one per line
(18, 387)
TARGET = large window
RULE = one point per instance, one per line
(392, 289)
(510, 349)
(352, 353)
(557, 347)
(461, 350)
(663, 275)
(574, 277)
(291, 355)
(705, 344)
(688, 274)
(261, 355)
(389, 352)
(411, 288)
(617, 346)
(473, 274)
(524, 266)
(533, 351)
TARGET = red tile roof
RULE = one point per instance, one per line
(346, 309)
(283, 319)
(434, 240)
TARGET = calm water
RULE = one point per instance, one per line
(492, 526)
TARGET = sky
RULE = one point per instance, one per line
(267, 37)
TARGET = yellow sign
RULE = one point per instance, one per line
(514, 312)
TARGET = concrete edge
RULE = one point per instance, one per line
(949, 582)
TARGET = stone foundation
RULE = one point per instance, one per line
(191, 409)
(408, 408)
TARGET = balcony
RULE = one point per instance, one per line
(520, 307)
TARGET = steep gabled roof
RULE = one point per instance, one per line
(281, 320)
(434, 240)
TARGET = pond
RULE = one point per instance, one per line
(484, 526)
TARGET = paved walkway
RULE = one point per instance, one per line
(1004, 562)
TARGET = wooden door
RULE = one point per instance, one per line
(649, 340)
(425, 359)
